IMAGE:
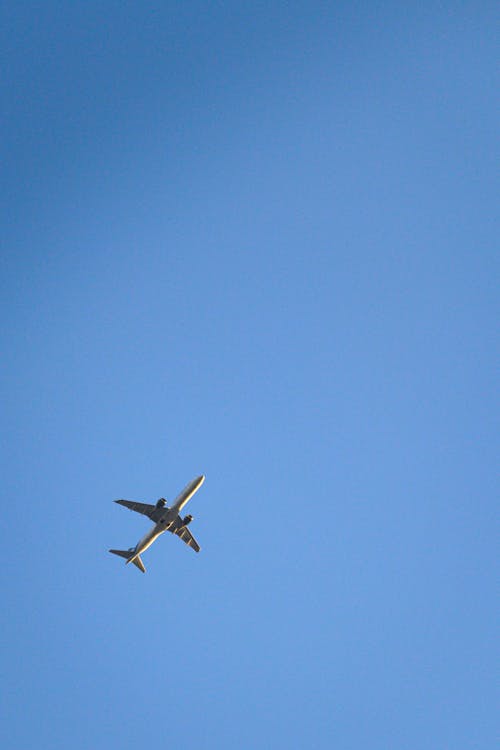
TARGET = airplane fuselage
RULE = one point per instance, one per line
(167, 518)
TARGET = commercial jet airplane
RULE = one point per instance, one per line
(165, 519)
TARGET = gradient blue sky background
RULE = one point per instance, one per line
(255, 241)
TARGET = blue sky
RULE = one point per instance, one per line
(254, 241)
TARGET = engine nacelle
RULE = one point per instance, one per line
(187, 520)
(161, 503)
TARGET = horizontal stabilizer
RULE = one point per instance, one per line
(139, 564)
(123, 553)
(127, 554)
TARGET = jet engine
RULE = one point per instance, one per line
(187, 520)
(161, 503)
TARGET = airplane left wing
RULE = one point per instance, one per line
(144, 508)
(183, 533)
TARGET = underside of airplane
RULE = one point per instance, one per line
(165, 519)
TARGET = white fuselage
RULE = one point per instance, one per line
(166, 519)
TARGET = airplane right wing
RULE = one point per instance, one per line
(183, 533)
(144, 508)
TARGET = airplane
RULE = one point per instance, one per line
(165, 519)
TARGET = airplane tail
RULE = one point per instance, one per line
(127, 554)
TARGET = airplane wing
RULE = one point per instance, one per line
(144, 508)
(183, 533)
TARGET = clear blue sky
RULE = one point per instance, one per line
(255, 241)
